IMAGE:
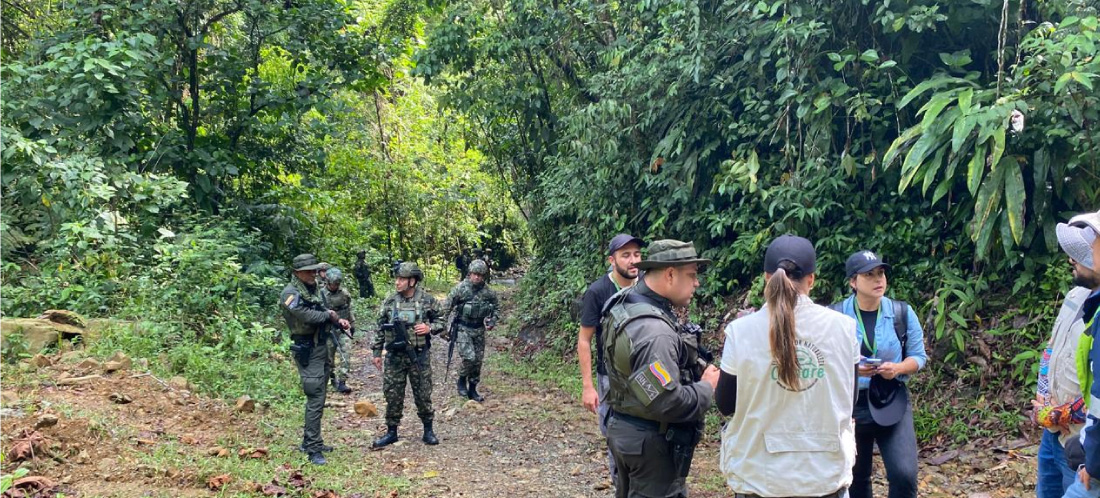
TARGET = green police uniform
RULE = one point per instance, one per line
(307, 318)
(471, 306)
(340, 302)
(412, 362)
(657, 401)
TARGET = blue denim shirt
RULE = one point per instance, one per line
(886, 339)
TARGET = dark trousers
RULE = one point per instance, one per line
(314, 377)
(897, 444)
(643, 460)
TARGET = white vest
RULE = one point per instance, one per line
(782, 442)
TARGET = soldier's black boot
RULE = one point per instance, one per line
(462, 391)
(317, 458)
(389, 438)
(429, 435)
(473, 392)
(341, 387)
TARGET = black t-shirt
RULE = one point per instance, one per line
(869, 318)
(591, 306)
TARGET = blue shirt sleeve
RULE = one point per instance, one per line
(914, 342)
(1091, 434)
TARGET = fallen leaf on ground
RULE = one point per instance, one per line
(188, 440)
(217, 482)
(273, 490)
(30, 444)
(325, 493)
(252, 453)
(30, 486)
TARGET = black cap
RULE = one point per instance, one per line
(791, 248)
(862, 262)
(618, 241)
(888, 400)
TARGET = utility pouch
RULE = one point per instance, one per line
(682, 441)
(400, 335)
(301, 352)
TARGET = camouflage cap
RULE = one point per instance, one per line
(667, 252)
(409, 269)
(479, 267)
(306, 262)
(334, 274)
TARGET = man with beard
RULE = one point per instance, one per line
(474, 306)
(1080, 239)
(623, 252)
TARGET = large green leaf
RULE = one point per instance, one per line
(976, 169)
(1015, 196)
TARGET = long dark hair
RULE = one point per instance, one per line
(782, 297)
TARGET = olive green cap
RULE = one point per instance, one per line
(667, 252)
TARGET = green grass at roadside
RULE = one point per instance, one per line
(544, 367)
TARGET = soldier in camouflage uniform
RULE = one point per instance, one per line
(362, 275)
(307, 318)
(474, 307)
(339, 300)
(407, 357)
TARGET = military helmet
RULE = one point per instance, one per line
(334, 274)
(479, 267)
(409, 269)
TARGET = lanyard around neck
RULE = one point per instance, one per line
(863, 329)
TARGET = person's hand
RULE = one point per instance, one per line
(333, 316)
(710, 376)
(590, 399)
(422, 329)
(1083, 476)
(344, 324)
(889, 370)
(866, 370)
(378, 362)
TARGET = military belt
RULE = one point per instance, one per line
(471, 325)
(640, 422)
(836, 494)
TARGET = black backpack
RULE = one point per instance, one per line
(901, 327)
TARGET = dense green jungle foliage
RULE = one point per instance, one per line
(859, 124)
(163, 161)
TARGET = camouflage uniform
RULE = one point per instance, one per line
(307, 318)
(414, 362)
(472, 305)
(340, 302)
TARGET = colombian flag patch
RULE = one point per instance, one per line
(660, 373)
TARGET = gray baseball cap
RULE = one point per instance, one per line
(1077, 237)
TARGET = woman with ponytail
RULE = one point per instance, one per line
(788, 380)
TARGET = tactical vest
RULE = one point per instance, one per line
(412, 312)
(340, 302)
(618, 348)
(475, 307)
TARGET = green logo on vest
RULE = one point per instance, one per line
(811, 366)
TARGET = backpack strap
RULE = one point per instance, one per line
(901, 325)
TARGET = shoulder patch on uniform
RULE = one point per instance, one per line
(290, 300)
(649, 382)
(647, 388)
(660, 373)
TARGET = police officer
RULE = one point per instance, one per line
(406, 320)
(307, 318)
(362, 275)
(659, 390)
(474, 308)
(339, 300)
